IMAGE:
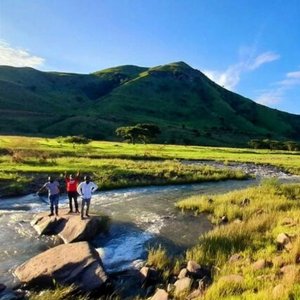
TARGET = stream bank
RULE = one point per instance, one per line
(141, 218)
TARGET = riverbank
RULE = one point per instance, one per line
(256, 246)
(26, 162)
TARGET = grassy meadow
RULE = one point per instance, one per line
(26, 162)
(251, 232)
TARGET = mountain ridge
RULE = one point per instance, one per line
(188, 106)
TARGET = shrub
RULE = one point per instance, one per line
(77, 139)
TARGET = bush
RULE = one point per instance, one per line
(274, 145)
(77, 139)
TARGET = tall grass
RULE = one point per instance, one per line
(31, 160)
(273, 209)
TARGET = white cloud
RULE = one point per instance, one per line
(263, 59)
(270, 97)
(231, 76)
(276, 94)
(18, 57)
(228, 79)
(295, 75)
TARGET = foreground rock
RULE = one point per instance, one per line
(160, 295)
(69, 227)
(76, 263)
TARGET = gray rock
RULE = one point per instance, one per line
(69, 227)
(282, 240)
(193, 267)
(235, 257)
(76, 263)
(196, 271)
(261, 264)
(182, 273)
(160, 295)
(182, 285)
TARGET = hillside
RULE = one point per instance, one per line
(189, 107)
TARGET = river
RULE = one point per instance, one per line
(141, 218)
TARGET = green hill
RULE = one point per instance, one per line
(187, 106)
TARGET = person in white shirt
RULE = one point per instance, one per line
(85, 190)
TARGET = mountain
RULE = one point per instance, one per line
(187, 106)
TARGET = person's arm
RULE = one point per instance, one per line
(94, 187)
(79, 189)
(78, 175)
(66, 176)
(43, 187)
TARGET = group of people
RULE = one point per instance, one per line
(74, 188)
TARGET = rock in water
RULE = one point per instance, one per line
(69, 227)
(76, 263)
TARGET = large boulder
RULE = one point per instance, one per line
(69, 227)
(76, 263)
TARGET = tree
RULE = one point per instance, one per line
(138, 133)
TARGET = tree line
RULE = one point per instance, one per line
(274, 145)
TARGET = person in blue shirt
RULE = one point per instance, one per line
(53, 194)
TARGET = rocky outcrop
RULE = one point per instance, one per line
(76, 263)
(182, 286)
(283, 241)
(196, 271)
(261, 264)
(160, 295)
(69, 227)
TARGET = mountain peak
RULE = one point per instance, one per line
(181, 64)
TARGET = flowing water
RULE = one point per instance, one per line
(141, 218)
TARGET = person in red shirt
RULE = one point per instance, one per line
(72, 183)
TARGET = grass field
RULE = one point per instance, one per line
(26, 162)
(251, 234)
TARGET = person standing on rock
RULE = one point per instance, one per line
(85, 190)
(53, 194)
(72, 184)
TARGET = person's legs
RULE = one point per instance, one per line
(51, 205)
(82, 207)
(88, 201)
(70, 202)
(76, 202)
(55, 202)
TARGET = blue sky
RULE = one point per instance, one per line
(251, 47)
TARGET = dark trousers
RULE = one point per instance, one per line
(87, 203)
(71, 196)
(54, 203)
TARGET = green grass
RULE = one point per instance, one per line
(26, 163)
(253, 237)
